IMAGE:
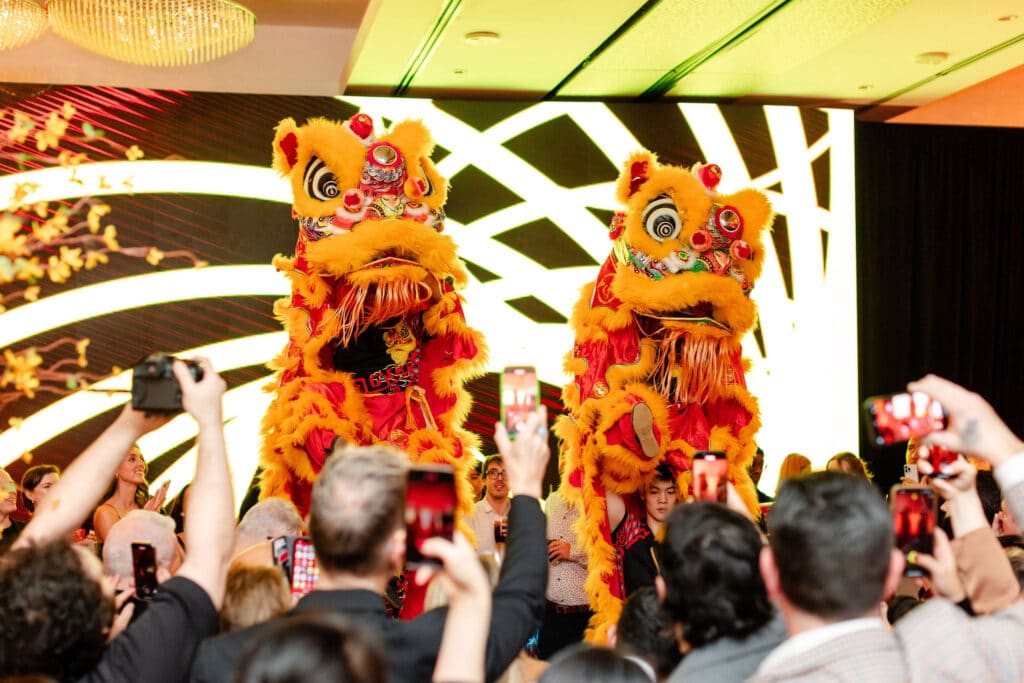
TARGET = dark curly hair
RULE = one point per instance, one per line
(53, 616)
(709, 561)
(645, 632)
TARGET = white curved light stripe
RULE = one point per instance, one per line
(122, 294)
(244, 407)
(70, 411)
(104, 178)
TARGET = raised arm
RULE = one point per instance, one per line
(210, 523)
(84, 482)
(975, 429)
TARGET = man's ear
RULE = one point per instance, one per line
(660, 588)
(897, 562)
(611, 638)
(769, 573)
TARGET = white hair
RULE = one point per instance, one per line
(266, 520)
(139, 526)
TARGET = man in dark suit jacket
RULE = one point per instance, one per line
(711, 587)
(357, 528)
(831, 560)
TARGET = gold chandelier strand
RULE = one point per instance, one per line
(21, 21)
(154, 32)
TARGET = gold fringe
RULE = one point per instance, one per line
(364, 307)
(689, 369)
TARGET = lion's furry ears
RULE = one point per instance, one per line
(638, 170)
(286, 146)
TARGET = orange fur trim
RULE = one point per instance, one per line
(342, 254)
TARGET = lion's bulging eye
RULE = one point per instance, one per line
(319, 182)
(661, 220)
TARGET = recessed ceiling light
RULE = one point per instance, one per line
(866, 86)
(458, 72)
(1008, 17)
(483, 37)
(936, 57)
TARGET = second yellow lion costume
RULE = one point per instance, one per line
(657, 359)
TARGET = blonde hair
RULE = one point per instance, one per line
(253, 595)
(795, 465)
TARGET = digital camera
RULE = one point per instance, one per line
(155, 389)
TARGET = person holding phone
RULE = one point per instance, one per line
(357, 525)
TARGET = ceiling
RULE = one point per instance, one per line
(850, 53)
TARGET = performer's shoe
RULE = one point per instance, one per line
(643, 427)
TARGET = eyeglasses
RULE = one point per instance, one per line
(496, 474)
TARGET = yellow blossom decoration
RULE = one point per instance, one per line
(96, 212)
(134, 153)
(154, 256)
(80, 348)
(94, 258)
(110, 238)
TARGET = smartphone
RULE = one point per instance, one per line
(710, 476)
(938, 458)
(305, 571)
(430, 504)
(913, 520)
(910, 472)
(144, 570)
(520, 396)
(280, 548)
(898, 417)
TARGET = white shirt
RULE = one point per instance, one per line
(566, 579)
(482, 524)
(797, 645)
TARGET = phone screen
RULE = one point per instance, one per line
(913, 519)
(520, 396)
(429, 509)
(901, 416)
(282, 553)
(710, 476)
(144, 570)
(305, 571)
(938, 458)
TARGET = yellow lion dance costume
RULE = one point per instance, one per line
(378, 347)
(657, 359)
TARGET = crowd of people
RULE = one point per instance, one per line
(816, 591)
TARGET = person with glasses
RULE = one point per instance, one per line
(488, 522)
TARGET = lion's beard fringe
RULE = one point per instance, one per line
(689, 369)
(362, 307)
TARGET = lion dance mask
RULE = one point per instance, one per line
(378, 347)
(657, 358)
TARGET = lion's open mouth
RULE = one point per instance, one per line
(702, 313)
(391, 258)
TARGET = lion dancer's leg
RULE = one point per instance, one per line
(612, 447)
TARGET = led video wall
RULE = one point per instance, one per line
(531, 197)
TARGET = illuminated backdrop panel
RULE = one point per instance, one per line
(532, 194)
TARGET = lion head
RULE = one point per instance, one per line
(371, 215)
(687, 256)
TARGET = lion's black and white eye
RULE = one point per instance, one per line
(661, 220)
(319, 182)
